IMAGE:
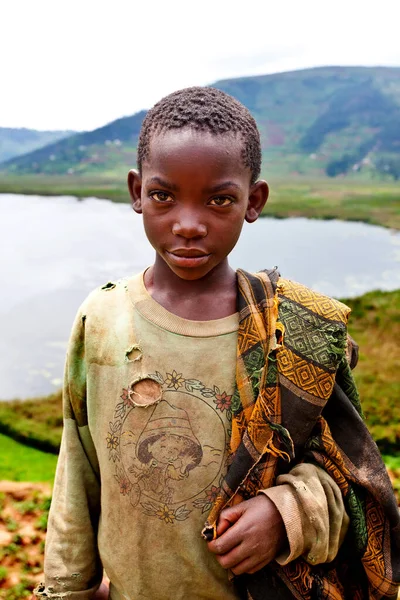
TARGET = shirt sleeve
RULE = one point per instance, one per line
(312, 509)
(72, 565)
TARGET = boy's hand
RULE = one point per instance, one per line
(250, 535)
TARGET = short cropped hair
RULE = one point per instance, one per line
(203, 109)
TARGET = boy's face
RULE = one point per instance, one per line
(195, 193)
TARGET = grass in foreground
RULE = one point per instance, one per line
(373, 201)
(36, 422)
(22, 463)
(375, 325)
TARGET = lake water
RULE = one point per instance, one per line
(55, 250)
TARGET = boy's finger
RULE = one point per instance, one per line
(249, 565)
(229, 516)
(227, 541)
(233, 558)
(223, 525)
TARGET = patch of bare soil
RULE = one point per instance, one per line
(23, 520)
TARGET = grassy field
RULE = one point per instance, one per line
(375, 325)
(36, 422)
(22, 463)
(374, 202)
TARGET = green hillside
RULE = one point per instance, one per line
(103, 149)
(14, 142)
(315, 122)
(331, 119)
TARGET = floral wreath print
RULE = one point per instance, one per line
(165, 457)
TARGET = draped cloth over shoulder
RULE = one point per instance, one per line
(295, 401)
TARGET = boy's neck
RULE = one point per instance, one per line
(211, 297)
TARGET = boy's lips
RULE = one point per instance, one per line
(187, 257)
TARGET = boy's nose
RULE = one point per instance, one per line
(188, 226)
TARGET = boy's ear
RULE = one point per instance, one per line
(258, 197)
(135, 190)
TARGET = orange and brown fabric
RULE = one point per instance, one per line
(296, 401)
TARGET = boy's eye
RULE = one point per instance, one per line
(221, 201)
(161, 196)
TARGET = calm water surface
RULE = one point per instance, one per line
(55, 250)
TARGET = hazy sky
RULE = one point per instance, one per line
(82, 63)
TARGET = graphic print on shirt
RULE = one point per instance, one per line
(170, 454)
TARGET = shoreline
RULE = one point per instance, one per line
(371, 202)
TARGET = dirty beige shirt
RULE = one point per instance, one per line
(147, 407)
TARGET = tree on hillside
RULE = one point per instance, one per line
(389, 166)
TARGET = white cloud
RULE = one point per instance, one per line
(80, 64)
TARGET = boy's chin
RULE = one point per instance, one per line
(194, 273)
(167, 266)
(191, 274)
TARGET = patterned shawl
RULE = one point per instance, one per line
(295, 399)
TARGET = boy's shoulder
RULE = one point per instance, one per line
(103, 324)
(108, 296)
(313, 326)
(268, 286)
(292, 294)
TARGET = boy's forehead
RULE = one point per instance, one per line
(189, 147)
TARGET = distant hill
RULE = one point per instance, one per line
(339, 118)
(104, 149)
(14, 142)
(328, 120)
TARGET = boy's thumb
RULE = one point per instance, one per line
(228, 517)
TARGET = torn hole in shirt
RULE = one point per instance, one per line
(133, 353)
(145, 391)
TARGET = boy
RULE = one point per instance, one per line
(194, 393)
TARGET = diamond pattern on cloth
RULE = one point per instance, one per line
(305, 375)
(326, 307)
(310, 335)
